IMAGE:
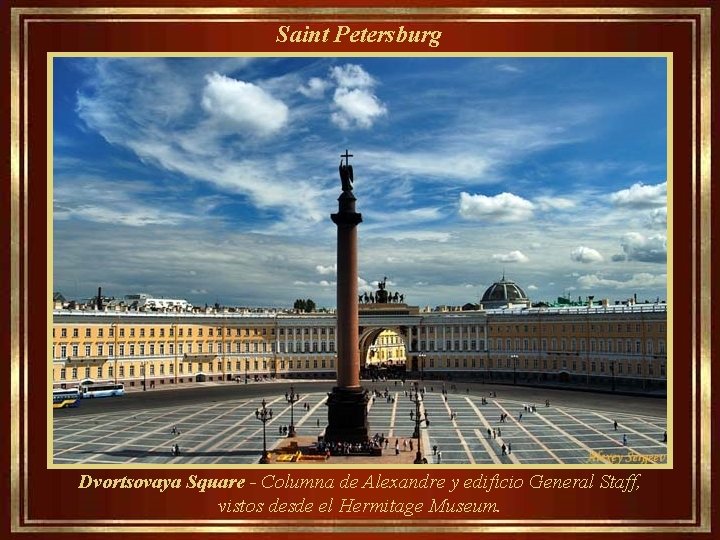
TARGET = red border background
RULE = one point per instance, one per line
(664, 494)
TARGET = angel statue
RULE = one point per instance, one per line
(346, 176)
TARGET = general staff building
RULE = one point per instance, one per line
(592, 345)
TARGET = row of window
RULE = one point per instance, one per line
(618, 367)
(247, 332)
(549, 328)
(596, 345)
(608, 346)
(168, 368)
(187, 348)
(580, 327)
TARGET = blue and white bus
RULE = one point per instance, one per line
(93, 390)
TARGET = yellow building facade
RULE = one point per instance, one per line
(156, 349)
(624, 345)
(388, 349)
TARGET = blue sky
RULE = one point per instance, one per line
(213, 179)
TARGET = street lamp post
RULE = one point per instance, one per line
(291, 398)
(416, 398)
(421, 357)
(264, 415)
(514, 359)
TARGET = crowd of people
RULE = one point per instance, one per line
(342, 448)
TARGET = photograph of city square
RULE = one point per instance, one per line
(386, 260)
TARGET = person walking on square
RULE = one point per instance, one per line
(509, 448)
(439, 457)
(488, 433)
(434, 449)
(624, 440)
(665, 436)
(397, 447)
(503, 448)
(615, 424)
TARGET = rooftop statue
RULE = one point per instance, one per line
(381, 295)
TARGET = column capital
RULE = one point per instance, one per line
(348, 219)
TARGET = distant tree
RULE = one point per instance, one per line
(305, 306)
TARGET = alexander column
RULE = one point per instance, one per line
(347, 403)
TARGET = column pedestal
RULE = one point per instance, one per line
(347, 415)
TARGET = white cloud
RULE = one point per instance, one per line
(657, 219)
(585, 254)
(640, 195)
(354, 103)
(356, 107)
(532, 287)
(638, 247)
(103, 202)
(321, 283)
(243, 105)
(421, 236)
(508, 68)
(134, 217)
(351, 76)
(637, 281)
(325, 270)
(504, 207)
(314, 89)
(440, 163)
(510, 257)
(554, 203)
